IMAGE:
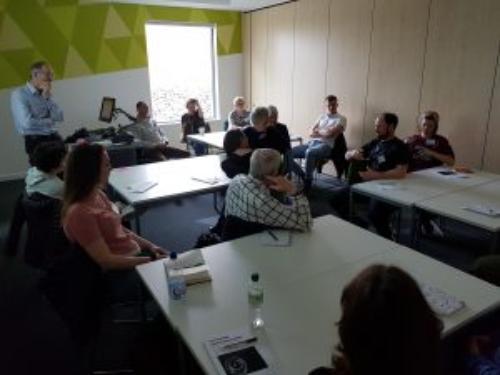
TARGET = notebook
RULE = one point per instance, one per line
(240, 352)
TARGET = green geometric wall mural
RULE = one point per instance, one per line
(84, 39)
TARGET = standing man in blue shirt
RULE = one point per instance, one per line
(35, 113)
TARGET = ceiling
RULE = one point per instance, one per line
(241, 5)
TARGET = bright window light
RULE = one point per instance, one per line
(181, 66)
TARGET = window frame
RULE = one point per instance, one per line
(214, 70)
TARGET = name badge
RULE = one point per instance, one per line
(381, 159)
(430, 142)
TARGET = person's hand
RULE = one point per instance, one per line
(424, 152)
(161, 146)
(369, 175)
(281, 184)
(315, 133)
(478, 345)
(159, 252)
(355, 155)
(46, 87)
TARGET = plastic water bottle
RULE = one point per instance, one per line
(176, 281)
(255, 301)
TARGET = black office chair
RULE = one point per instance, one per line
(234, 228)
(74, 285)
(16, 225)
(125, 156)
(78, 290)
(45, 237)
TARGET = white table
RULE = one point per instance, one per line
(419, 187)
(303, 284)
(452, 206)
(174, 179)
(422, 185)
(216, 139)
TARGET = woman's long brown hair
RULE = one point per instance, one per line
(83, 171)
(387, 327)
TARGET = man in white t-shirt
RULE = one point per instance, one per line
(324, 133)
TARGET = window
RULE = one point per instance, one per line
(182, 65)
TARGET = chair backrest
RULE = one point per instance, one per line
(340, 145)
(122, 156)
(74, 284)
(45, 239)
(338, 154)
(234, 227)
(16, 225)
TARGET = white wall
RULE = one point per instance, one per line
(80, 99)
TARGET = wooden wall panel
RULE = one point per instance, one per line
(348, 56)
(280, 59)
(309, 81)
(246, 26)
(396, 62)
(491, 153)
(259, 34)
(459, 71)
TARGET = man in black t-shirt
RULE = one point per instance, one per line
(386, 157)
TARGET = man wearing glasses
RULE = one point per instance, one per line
(34, 111)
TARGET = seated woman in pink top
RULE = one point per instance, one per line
(90, 219)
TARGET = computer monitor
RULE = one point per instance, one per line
(107, 109)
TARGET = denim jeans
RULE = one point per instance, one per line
(313, 152)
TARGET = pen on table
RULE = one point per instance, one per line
(234, 344)
(272, 235)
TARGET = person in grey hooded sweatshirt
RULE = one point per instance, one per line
(48, 163)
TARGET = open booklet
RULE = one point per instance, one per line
(441, 302)
(193, 267)
(240, 352)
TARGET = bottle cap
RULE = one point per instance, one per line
(255, 277)
(173, 255)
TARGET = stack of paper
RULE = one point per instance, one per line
(483, 210)
(441, 302)
(206, 179)
(141, 186)
(388, 185)
(276, 238)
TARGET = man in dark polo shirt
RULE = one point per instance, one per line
(386, 157)
(429, 149)
(262, 135)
